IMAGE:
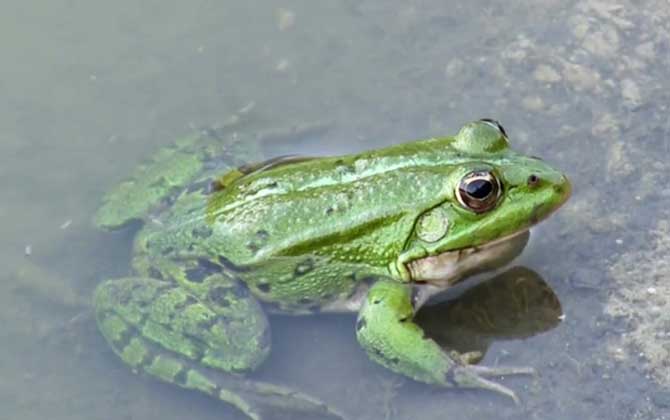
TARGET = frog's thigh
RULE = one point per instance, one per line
(147, 320)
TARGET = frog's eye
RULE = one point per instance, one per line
(478, 191)
(495, 124)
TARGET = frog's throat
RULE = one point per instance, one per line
(449, 267)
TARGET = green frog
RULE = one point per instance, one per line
(377, 233)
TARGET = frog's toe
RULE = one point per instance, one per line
(487, 371)
(469, 376)
(270, 402)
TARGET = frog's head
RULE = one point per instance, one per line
(490, 200)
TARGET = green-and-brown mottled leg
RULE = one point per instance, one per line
(192, 160)
(386, 330)
(198, 342)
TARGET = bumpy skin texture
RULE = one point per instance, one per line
(305, 235)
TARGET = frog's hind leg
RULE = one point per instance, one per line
(198, 342)
(193, 160)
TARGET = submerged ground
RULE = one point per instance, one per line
(90, 88)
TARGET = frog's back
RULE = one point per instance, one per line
(314, 206)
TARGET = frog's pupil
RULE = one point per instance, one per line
(479, 188)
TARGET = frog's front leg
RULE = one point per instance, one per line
(386, 330)
(200, 341)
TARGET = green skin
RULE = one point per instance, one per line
(220, 246)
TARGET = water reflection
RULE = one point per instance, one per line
(515, 304)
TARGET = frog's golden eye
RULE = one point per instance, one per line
(495, 124)
(479, 191)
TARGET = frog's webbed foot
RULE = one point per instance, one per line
(385, 328)
(200, 339)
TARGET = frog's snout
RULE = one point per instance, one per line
(549, 190)
(553, 182)
(565, 186)
(563, 189)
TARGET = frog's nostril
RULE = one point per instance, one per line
(533, 180)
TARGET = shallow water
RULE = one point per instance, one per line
(89, 89)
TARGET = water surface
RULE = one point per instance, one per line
(90, 88)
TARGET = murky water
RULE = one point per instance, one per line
(88, 89)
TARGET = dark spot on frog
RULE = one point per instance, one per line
(262, 238)
(229, 265)
(171, 196)
(209, 322)
(217, 185)
(202, 232)
(204, 269)
(190, 300)
(253, 247)
(394, 360)
(304, 267)
(404, 319)
(264, 287)
(361, 323)
(378, 353)
(559, 188)
(218, 295)
(167, 251)
(181, 376)
(124, 340)
(196, 275)
(154, 273)
(329, 211)
(376, 301)
(123, 298)
(240, 291)
(209, 265)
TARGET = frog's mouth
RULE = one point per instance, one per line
(450, 267)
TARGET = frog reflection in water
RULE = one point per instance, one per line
(377, 233)
(514, 304)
